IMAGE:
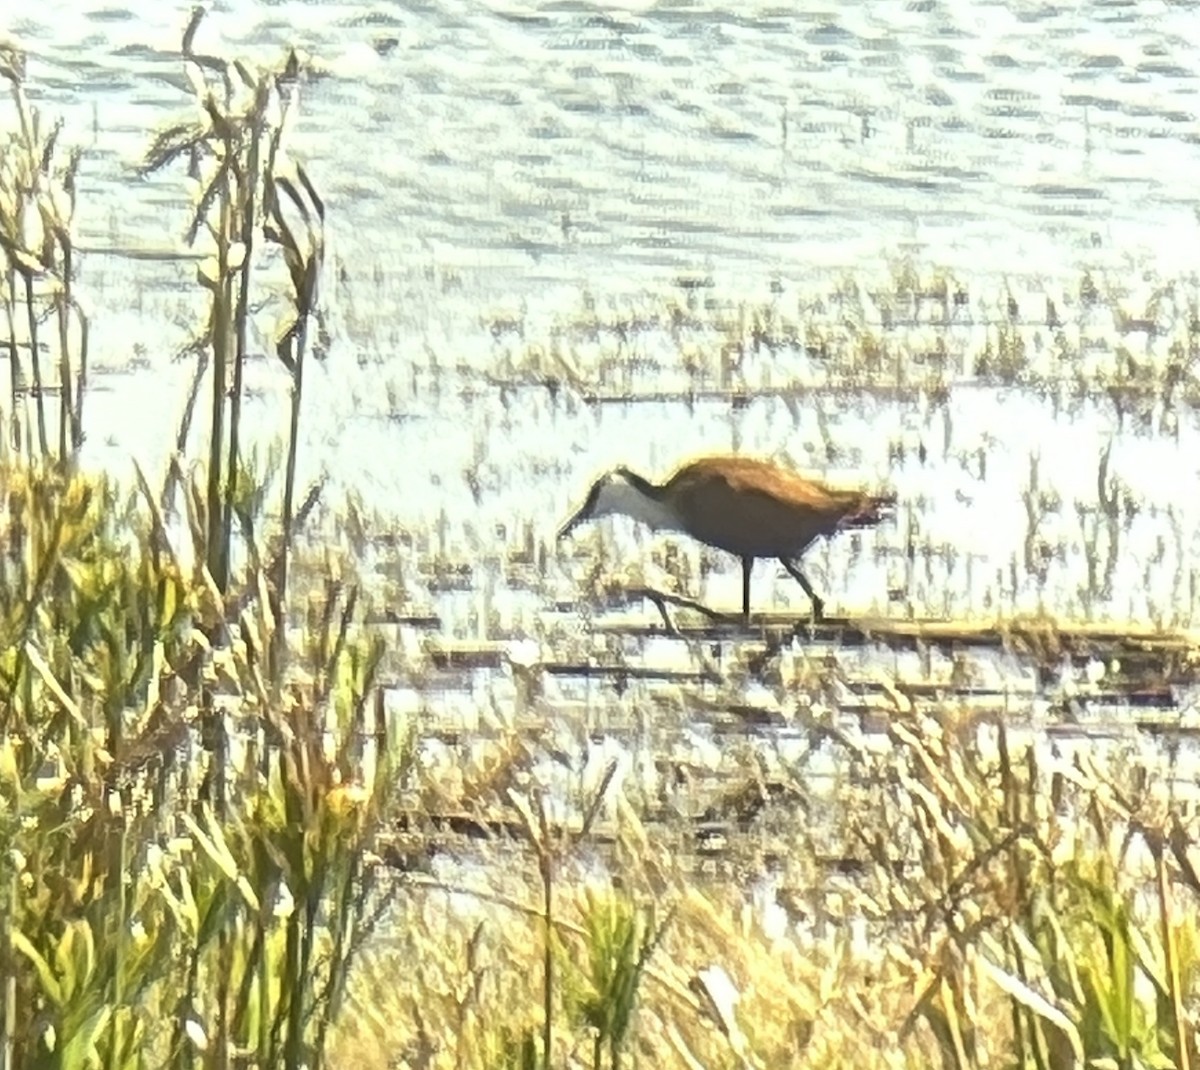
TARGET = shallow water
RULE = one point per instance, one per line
(557, 143)
(482, 155)
(488, 162)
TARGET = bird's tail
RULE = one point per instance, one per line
(869, 510)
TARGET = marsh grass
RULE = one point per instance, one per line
(244, 199)
(131, 901)
(184, 823)
(601, 992)
(911, 329)
(1007, 909)
(37, 208)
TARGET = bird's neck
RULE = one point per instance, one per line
(643, 501)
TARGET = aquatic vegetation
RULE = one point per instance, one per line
(37, 208)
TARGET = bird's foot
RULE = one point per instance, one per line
(662, 599)
(804, 625)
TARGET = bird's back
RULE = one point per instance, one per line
(752, 507)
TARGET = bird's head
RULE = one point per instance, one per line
(614, 492)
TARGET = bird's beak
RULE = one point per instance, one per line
(571, 524)
(581, 515)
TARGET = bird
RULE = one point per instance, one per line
(747, 506)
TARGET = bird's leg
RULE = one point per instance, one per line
(817, 604)
(747, 565)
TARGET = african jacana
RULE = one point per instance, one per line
(747, 507)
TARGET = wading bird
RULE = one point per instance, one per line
(747, 507)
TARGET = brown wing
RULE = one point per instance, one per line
(752, 507)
